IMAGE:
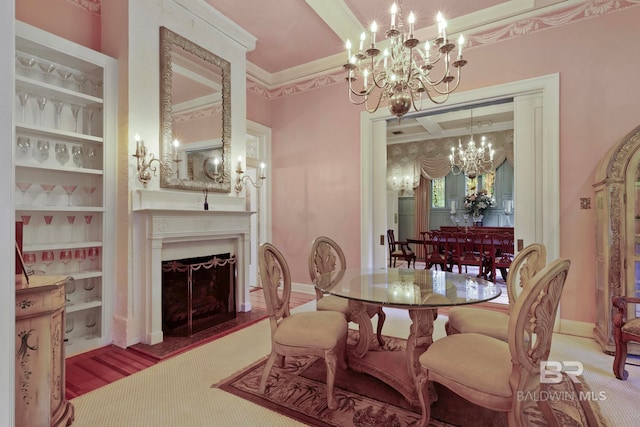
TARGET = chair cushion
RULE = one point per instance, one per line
(400, 253)
(333, 303)
(473, 360)
(632, 327)
(486, 322)
(317, 329)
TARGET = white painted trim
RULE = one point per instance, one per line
(373, 164)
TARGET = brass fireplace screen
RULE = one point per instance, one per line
(197, 293)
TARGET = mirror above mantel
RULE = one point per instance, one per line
(195, 111)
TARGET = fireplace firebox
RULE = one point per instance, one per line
(197, 293)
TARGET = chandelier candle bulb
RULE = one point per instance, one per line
(460, 43)
(374, 28)
(412, 20)
(362, 37)
(394, 10)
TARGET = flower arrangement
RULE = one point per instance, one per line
(477, 203)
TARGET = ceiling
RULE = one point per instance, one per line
(298, 39)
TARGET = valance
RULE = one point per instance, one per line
(438, 167)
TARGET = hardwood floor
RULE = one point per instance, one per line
(89, 371)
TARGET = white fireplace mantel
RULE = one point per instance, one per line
(174, 225)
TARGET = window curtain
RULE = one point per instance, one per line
(426, 169)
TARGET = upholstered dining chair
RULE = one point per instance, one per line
(327, 258)
(399, 249)
(624, 331)
(502, 376)
(493, 323)
(316, 333)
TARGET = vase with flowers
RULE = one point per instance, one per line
(476, 204)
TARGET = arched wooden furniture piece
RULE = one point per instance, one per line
(493, 373)
(399, 249)
(495, 324)
(624, 330)
(327, 259)
(316, 333)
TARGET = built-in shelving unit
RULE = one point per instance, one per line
(65, 109)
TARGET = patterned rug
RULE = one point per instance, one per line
(298, 391)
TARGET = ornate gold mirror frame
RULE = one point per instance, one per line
(195, 109)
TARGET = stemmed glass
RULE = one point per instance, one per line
(71, 219)
(23, 97)
(80, 79)
(48, 188)
(62, 153)
(25, 221)
(90, 322)
(97, 83)
(89, 113)
(23, 187)
(70, 287)
(80, 256)
(42, 150)
(75, 110)
(87, 220)
(47, 68)
(29, 261)
(68, 327)
(76, 153)
(93, 254)
(65, 75)
(48, 219)
(69, 189)
(88, 191)
(91, 157)
(27, 62)
(48, 258)
(89, 285)
(24, 145)
(57, 108)
(42, 102)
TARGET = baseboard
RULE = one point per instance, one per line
(303, 288)
(574, 327)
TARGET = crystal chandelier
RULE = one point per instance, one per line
(406, 70)
(473, 160)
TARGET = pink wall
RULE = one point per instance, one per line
(62, 18)
(316, 175)
(316, 134)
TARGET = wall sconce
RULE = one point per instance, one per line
(242, 179)
(402, 185)
(144, 164)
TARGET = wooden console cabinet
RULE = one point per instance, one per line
(40, 360)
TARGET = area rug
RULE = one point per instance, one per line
(298, 391)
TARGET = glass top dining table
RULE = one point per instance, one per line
(419, 291)
(408, 288)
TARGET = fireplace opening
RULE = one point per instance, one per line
(197, 293)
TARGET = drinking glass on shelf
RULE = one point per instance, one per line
(48, 188)
(76, 153)
(42, 102)
(23, 97)
(26, 61)
(65, 257)
(88, 191)
(48, 219)
(71, 219)
(89, 112)
(80, 79)
(96, 83)
(24, 146)
(42, 150)
(47, 68)
(57, 111)
(93, 254)
(64, 75)
(47, 258)
(91, 157)
(68, 327)
(90, 322)
(29, 259)
(89, 285)
(75, 110)
(70, 288)
(80, 255)
(69, 189)
(62, 153)
(25, 219)
(23, 187)
(87, 220)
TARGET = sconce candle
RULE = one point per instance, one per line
(216, 166)
(453, 206)
(239, 168)
(262, 171)
(137, 145)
